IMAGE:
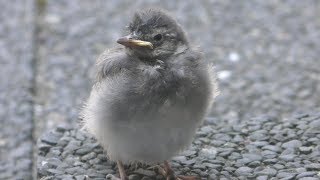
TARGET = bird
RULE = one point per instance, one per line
(150, 94)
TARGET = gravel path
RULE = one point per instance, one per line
(16, 79)
(259, 148)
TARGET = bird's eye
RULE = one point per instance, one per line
(157, 37)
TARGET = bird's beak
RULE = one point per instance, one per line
(129, 42)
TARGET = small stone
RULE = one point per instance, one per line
(106, 171)
(278, 166)
(234, 156)
(238, 138)
(80, 136)
(86, 148)
(252, 157)
(94, 161)
(222, 137)
(309, 178)
(51, 138)
(179, 158)
(301, 170)
(80, 177)
(262, 178)
(213, 176)
(74, 170)
(315, 123)
(65, 177)
(189, 162)
(134, 177)
(313, 166)
(268, 154)
(292, 144)
(254, 164)
(288, 157)
(44, 147)
(188, 153)
(287, 175)
(53, 162)
(272, 148)
(305, 149)
(270, 161)
(225, 151)
(259, 135)
(268, 171)
(259, 143)
(145, 172)
(209, 153)
(244, 171)
(241, 162)
(305, 174)
(55, 171)
(88, 156)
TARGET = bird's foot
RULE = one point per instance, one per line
(122, 173)
(169, 174)
(187, 178)
(112, 177)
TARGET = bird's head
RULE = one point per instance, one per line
(153, 34)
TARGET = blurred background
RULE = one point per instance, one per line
(266, 55)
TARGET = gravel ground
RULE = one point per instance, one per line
(263, 147)
(16, 79)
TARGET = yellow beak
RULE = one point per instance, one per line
(128, 42)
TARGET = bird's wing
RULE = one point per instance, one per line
(111, 62)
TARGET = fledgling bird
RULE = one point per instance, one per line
(150, 95)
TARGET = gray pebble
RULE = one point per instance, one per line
(134, 177)
(179, 158)
(55, 171)
(313, 166)
(145, 172)
(262, 178)
(292, 144)
(267, 154)
(305, 149)
(305, 174)
(51, 138)
(188, 153)
(244, 171)
(278, 166)
(268, 171)
(89, 156)
(252, 157)
(272, 148)
(288, 175)
(80, 177)
(309, 178)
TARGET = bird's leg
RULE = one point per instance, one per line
(168, 173)
(122, 173)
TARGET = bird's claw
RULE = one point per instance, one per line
(188, 178)
(169, 175)
(112, 177)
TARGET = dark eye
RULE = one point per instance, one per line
(157, 37)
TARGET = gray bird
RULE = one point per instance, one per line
(149, 96)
